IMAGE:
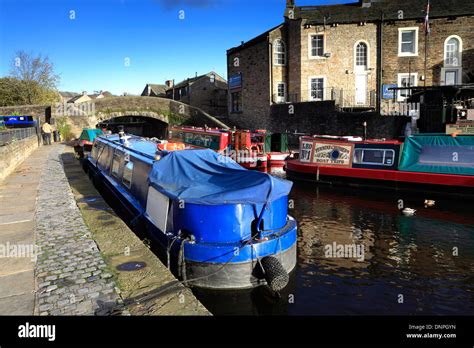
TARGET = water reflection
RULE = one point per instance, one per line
(411, 260)
(415, 265)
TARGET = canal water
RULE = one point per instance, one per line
(410, 265)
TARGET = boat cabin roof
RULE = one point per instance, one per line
(202, 130)
(352, 139)
(135, 144)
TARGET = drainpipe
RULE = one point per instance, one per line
(270, 60)
(287, 66)
(380, 65)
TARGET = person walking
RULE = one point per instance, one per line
(47, 129)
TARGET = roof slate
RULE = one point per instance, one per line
(412, 9)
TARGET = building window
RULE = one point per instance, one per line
(279, 50)
(316, 87)
(451, 77)
(281, 92)
(408, 42)
(212, 78)
(406, 80)
(236, 101)
(317, 45)
(361, 58)
(452, 52)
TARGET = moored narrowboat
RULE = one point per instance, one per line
(224, 226)
(435, 163)
(257, 149)
(84, 144)
(243, 146)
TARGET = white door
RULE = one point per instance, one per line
(361, 89)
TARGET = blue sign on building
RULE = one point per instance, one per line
(235, 81)
(387, 93)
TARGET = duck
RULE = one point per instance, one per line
(429, 203)
(408, 211)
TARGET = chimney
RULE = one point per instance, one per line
(84, 92)
(290, 9)
(365, 3)
(169, 83)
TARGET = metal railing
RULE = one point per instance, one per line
(10, 135)
(351, 98)
(343, 98)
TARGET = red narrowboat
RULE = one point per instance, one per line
(436, 163)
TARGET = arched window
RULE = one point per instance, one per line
(279, 50)
(452, 51)
(361, 56)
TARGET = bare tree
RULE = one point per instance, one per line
(36, 73)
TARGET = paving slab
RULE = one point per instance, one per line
(18, 194)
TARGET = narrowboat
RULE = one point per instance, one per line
(435, 163)
(86, 140)
(224, 226)
(276, 148)
(244, 147)
(15, 121)
(257, 149)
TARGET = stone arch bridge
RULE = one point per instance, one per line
(89, 114)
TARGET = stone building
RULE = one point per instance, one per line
(449, 45)
(207, 92)
(350, 54)
(154, 90)
(81, 98)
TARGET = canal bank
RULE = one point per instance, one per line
(146, 286)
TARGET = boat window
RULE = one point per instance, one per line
(381, 157)
(127, 174)
(116, 165)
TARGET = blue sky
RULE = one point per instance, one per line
(90, 52)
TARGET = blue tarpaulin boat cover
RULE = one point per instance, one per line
(205, 177)
(438, 153)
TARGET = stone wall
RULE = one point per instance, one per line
(338, 70)
(279, 72)
(322, 118)
(253, 64)
(209, 97)
(14, 154)
(441, 29)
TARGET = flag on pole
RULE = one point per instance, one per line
(427, 19)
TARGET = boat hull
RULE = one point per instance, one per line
(446, 184)
(241, 275)
(277, 159)
(238, 266)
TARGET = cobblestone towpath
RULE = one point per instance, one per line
(71, 275)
